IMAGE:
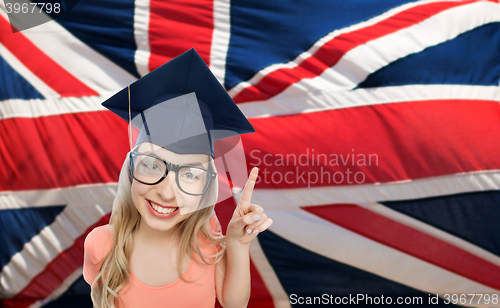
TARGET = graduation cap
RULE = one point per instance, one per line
(180, 106)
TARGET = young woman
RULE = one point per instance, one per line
(163, 246)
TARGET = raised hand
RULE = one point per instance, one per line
(248, 219)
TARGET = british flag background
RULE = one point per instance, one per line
(402, 96)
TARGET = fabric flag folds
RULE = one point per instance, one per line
(377, 136)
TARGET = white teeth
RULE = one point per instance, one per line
(168, 211)
(162, 210)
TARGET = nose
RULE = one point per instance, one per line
(166, 188)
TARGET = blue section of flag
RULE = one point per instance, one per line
(459, 61)
(18, 226)
(306, 273)
(269, 32)
(470, 216)
(106, 26)
(77, 296)
(14, 86)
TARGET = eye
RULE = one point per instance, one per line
(150, 167)
(153, 167)
(189, 175)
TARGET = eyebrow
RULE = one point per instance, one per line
(193, 164)
(185, 164)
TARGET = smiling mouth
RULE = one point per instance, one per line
(162, 210)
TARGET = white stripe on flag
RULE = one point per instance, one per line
(89, 66)
(367, 58)
(293, 101)
(141, 35)
(293, 199)
(220, 39)
(34, 108)
(435, 232)
(82, 194)
(300, 103)
(360, 62)
(332, 241)
(22, 70)
(285, 201)
(81, 211)
(318, 44)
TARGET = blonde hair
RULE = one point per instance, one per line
(114, 273)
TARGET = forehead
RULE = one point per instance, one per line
(179, 159)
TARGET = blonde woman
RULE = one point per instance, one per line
(163, 246)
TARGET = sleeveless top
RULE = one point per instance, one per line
(200, 293)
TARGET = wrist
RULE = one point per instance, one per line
(235, 243)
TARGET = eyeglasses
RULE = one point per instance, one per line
(151, 170)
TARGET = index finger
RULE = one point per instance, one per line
(248, 190)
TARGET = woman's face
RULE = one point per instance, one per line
(162, 206)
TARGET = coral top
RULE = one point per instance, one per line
(200, 293)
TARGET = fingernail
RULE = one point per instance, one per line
(256, 217)
(255, 231)
(249, 231)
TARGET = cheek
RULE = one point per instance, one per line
(191, 201)
(138, 190)
(190, 204)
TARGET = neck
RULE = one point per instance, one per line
(146, 234)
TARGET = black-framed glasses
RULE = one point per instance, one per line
(151, 170)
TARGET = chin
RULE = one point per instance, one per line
(159, 226)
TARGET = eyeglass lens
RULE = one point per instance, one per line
(148, 169)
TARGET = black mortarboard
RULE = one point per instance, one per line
(181, 107)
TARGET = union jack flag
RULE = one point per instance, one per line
(377, 136)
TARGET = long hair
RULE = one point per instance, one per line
(114, 273)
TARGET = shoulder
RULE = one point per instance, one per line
(98, 244)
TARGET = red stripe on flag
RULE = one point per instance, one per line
(410, 140)
(54, 274)
(401, 141)
(177, 26)
(410, 241)
(51, 73)
(332, 51)
(62, 150)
